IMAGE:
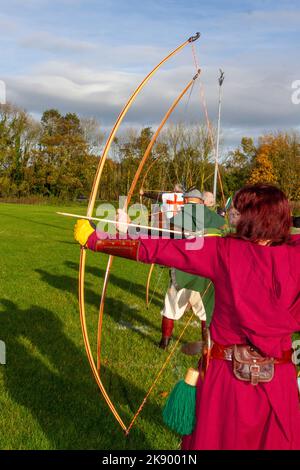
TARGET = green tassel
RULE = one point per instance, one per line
(179, 410)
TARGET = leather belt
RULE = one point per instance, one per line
(218, 351)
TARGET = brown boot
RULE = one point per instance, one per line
(164, 342)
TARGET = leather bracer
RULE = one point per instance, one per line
(122, 248)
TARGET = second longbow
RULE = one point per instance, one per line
(128, 199)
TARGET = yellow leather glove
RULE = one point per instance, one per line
(82, 231)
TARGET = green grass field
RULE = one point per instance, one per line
(49, 399)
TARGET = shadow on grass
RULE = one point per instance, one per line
(64, 242)
(32, 221)
(50, 377)
(116, 309)
(124, 284)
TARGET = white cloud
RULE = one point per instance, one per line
(95, 74)
(7, 24)
(251, 101)
(273, 20)
(48, 42)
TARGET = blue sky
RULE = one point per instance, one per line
(87, 56)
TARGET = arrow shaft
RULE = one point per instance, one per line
(114, 222)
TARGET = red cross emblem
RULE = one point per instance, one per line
(175, 202)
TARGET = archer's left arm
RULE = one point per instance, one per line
(195, 256)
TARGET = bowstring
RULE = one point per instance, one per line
(170, 355)
(168, 359)
(162, 286)
(163, 367)
(160, 290)
(208, 122)
(195, 58)
(171, 184)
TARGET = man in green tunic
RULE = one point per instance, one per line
(185, 289)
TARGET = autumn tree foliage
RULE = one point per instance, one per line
(278, 161)
(274, 159)
(284, 153)
(57, 157)
(48, 158)
(19, 135)
(263, 171)
(237, 166)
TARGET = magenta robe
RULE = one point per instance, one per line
(257, 298)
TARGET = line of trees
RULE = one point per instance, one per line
(58, 156)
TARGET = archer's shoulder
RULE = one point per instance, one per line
(296, 240)
(214, 241)
(231, 240)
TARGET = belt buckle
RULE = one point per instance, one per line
(228, 354)
(254, 373)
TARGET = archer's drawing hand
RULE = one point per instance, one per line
(82, 231)
(123, 220)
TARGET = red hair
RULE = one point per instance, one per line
(265, 214)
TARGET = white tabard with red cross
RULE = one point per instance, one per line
(172, 203)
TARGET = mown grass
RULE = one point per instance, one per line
(49, 399)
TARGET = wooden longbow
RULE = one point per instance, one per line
(90, 209)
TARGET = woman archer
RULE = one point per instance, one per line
(249, 396)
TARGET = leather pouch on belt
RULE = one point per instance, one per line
(249, 365)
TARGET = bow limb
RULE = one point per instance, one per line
(154, 138)
(87, 343)
(142, 186)
(128, 199)
(90, 209)
(146, 174)
(120, 118)
(148, 284)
